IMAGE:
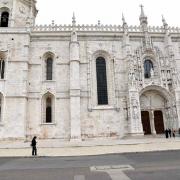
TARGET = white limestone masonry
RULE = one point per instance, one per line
(74, 49)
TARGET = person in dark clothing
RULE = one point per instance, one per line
(33, 144)
(174, 133)
(166, 133)
(169, 132)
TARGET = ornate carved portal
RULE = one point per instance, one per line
(152, 122)
(153, 112)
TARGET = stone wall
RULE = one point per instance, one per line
(74, 50)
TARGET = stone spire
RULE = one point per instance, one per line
(123, 19)
(126, 34)
(99, 23)
(167, 39)
(74, 20)
(147, 43)
(74, 33)
(124, 22)
(164, 23)
(143, 17)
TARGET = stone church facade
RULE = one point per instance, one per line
(76, 82)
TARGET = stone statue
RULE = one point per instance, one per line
(152, 73)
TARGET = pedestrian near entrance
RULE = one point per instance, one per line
(169, 132)
(33, 144)
(166, 133)
(173, 133)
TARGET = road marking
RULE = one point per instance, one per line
(117, 175)
(118, 167)
(79, 177)
(114, 171)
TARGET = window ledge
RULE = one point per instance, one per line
(48, 124)
(102, 107)
(49, 81)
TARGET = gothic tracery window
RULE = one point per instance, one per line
(2, 68)
(148, 67)
(4, 19)
(102, 93)
(49, 69)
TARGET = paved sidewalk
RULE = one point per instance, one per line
(59, 148)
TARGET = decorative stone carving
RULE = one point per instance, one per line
(152, 73)
(22, 9)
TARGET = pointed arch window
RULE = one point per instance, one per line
(4, 19)
(48, 110)
(148, 66)
(102, 94)
(49, 69)
(48, 105)
(2, 68)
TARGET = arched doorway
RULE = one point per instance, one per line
(145, 122)
(158, 122)
(153, 105)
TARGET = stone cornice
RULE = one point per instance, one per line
(14, 30)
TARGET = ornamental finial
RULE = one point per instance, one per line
(143, 18)
(142, 11)
(123, 19)
(164, 22)
(74, 20)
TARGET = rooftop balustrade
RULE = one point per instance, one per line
(101, 28)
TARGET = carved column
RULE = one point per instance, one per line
(135, 113)
(75, 89)
(174, 116)
(153, 130)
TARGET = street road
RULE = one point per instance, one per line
(132, 166)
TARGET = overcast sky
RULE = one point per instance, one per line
(108, 11)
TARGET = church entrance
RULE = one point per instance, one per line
(153, 106)
(145, 122)
(158, 122)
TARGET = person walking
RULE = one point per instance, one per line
(166, 133)
(169, 132)
(33, 144)
(173, 133)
